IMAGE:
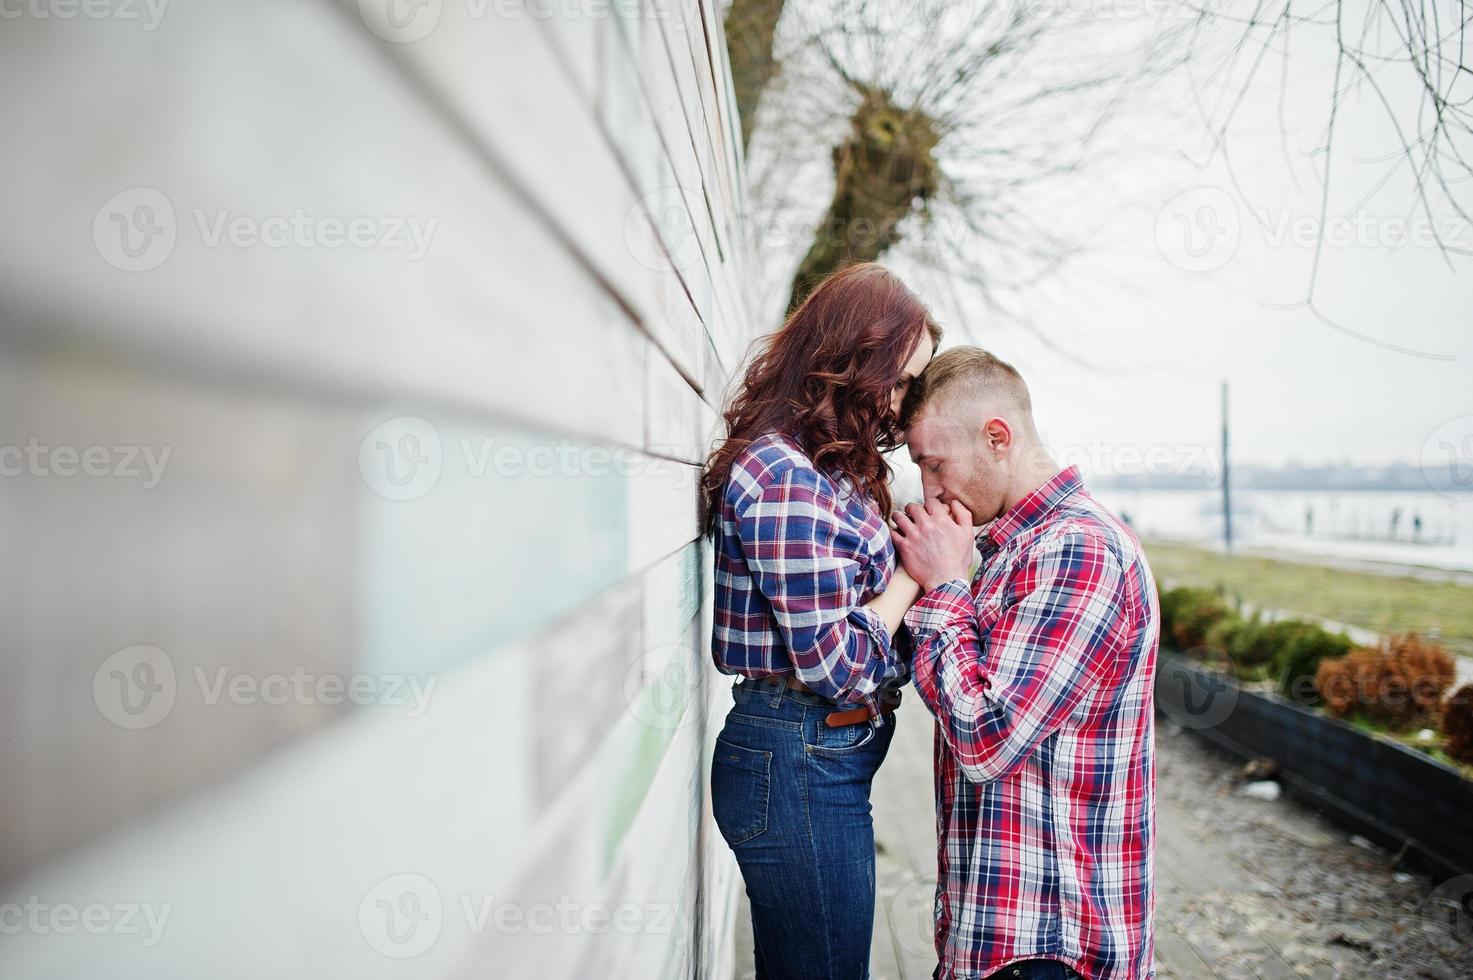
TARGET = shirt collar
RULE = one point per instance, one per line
(1031, 509)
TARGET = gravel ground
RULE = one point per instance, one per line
(1277, 878)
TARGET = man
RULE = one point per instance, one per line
(1039, 672)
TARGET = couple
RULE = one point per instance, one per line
(1037, 666)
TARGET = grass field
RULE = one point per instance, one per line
(1383, 603)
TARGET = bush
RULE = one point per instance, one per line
(1261, 645)
(1230, 632)
(1297, 662)
(1399, 683)
(1187, 614)
(1224, 636)
(1457, 724)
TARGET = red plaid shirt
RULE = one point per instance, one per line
(1040, 678)
(797, 557)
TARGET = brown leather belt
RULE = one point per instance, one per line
(838, 719)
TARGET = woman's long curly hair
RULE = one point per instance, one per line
(825, 379)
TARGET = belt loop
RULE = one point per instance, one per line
(779, 685)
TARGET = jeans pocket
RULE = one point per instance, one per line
(741, 780)
(844, 739)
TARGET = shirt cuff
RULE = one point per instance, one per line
(946, 605)
(873, 624)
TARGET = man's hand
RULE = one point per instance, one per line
(934, 542)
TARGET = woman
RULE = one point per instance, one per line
(808, 602)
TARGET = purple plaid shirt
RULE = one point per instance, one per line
(798, 554)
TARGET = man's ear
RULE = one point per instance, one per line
(997, 435)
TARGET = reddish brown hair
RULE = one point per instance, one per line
(825, 380)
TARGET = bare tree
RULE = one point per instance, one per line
(944, 120)
(1410, 59)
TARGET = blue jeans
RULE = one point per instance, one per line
(791, 797)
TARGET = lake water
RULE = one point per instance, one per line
(1354, 525)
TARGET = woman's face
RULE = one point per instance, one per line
(920, 356)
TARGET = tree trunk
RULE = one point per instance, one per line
(751, 26)
(884, 171)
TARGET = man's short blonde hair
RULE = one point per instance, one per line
(971, 372)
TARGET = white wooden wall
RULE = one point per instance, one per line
(456, 471)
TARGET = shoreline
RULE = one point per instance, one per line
(1371, 566)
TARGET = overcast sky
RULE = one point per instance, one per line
(1178, 293)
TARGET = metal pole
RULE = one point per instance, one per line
(1227, 499)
